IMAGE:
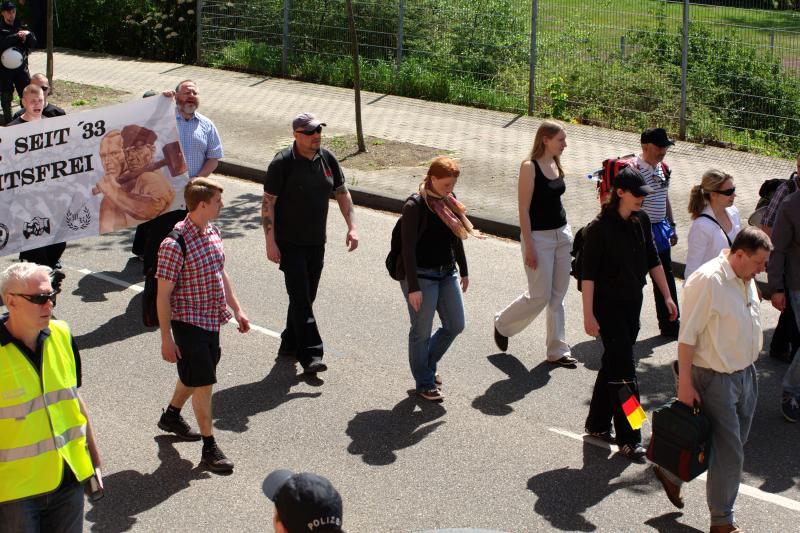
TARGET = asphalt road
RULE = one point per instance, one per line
(503, 452)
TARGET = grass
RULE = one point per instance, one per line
(606, 21)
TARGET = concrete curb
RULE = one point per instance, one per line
(385, 202)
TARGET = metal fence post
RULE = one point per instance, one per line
(532, 69)
(772, 42)
(684, 69)
(285, 54)
(622, 46)
(199, 30)
(400, 22)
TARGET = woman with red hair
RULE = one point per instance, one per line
(433, 227)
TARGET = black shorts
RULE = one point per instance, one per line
(200, 353)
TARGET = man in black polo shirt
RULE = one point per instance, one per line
(294, 212)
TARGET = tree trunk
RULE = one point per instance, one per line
(362, 147)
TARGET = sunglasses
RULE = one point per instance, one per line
(726, 192)
(318, 129)
(45, 88)
(39, 299)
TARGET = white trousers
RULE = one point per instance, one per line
(547, 287)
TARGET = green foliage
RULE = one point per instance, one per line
(155, 29)
(558, 98)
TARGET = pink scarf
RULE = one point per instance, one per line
(449, 210)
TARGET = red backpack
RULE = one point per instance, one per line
(612, 167)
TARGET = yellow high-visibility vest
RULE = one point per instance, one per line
(41, 424)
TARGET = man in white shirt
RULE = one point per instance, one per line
(719, 340)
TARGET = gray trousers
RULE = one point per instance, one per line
(729, 401)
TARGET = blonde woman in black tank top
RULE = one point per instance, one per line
(546, 241)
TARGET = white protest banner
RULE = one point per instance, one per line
(81, 175)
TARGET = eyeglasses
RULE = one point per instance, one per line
(318, 129)
(726, 192)
(39, 299)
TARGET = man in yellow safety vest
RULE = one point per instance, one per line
(47, 445)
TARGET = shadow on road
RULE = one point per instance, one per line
(560, 504)
(668, 523)
(118, 328)
(378, 434)
(497, 399)
(239, 215)
(590, 352)
(234, 406)
(129, 493)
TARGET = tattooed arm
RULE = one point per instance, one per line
(268, 223)
(345, 202)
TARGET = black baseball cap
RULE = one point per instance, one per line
(657, 136)
(7, 6)
(305, 502)
(631, 180)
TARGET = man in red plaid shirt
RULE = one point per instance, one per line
(194, 294)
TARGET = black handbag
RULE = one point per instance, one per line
(681, 441)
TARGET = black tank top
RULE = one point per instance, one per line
(546, 210)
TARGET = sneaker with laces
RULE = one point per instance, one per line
(172, 423)
(215, 460)
(635, 452)
(790, 407)
(433, 395)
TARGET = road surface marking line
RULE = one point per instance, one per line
(753, 492)
(138, 288)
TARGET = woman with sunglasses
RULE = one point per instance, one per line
(546, 241)
(618, 254)
(715, 219)
(433, 227)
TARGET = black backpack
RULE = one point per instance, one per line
(396, 249)
(768, 188)
(150, 293)
(577, 254)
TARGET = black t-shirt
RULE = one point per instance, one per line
(546, 210)
(16, 121)
(303, 188)
(49, 111)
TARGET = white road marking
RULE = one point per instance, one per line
(753, 492)
(139, 288)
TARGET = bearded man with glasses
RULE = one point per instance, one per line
(294, 212)
(47, 444)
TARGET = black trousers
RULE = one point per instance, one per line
(785, 338)
(17, 79)
(661, 308)
(302, 269)
(46, 255)
(619, 327)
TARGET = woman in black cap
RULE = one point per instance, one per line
(617, 255)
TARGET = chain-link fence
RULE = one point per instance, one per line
(723, 74)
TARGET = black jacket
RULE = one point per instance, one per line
(9, 39)
(618, 254)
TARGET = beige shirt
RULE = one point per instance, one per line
(721, 317)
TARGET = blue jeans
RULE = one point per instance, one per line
(791, 380)
(441, 292)
(58, 512)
